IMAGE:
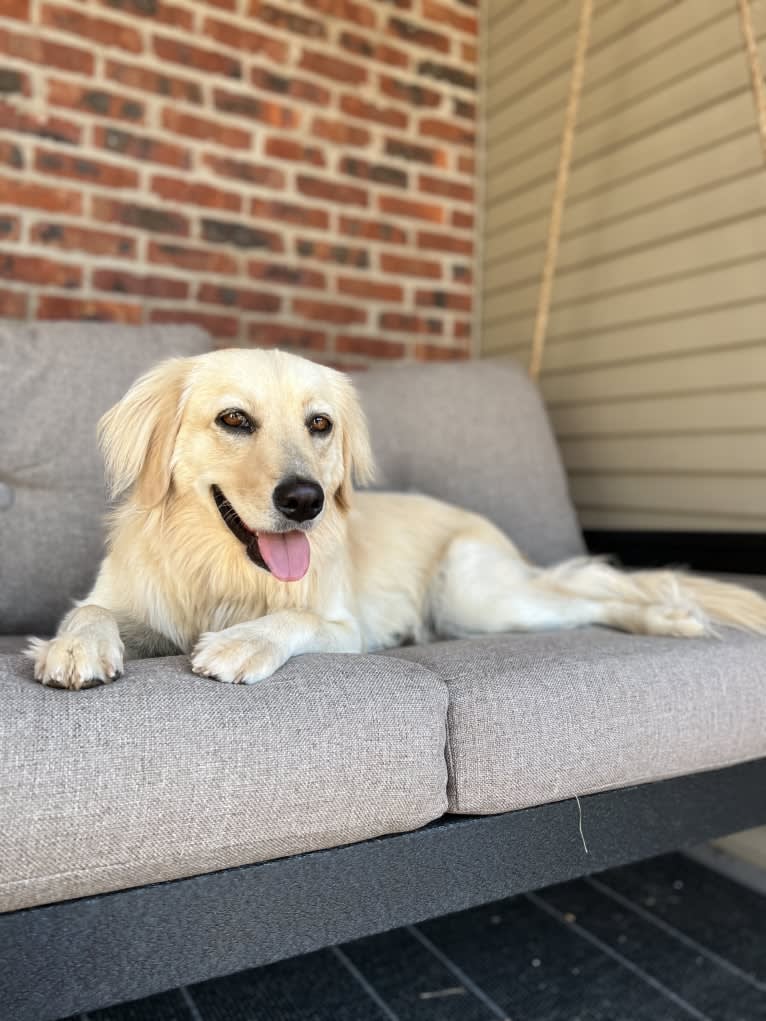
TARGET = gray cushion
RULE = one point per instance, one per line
(475, 434)
(538, 718)
(164, 774)
(56, 380)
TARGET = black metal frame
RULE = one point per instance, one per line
(733, 552)
(79, 955)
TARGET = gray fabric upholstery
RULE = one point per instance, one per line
(538, 718)
(164, 774)
(475, 434)
(56, 380)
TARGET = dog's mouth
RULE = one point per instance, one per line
(286, 555)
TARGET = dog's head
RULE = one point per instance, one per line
(267, 442)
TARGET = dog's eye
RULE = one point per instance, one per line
(236, 421)
(319, 424)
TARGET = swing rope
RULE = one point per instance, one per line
(565, 159)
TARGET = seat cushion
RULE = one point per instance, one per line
(56, 380)
(163, 774)
(475, 434)
(543, 717)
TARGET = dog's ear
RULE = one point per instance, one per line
(358, 462)
(137, 436)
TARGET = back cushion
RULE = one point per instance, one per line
(475, 434)
(56, 380)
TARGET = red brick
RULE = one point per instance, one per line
(346, 10)
(32, 269)
(154, 81)
(457, 76)
(226, 5)
(443, 186)
(55, 307)
(288, 20)
(100, 30)
(159, 12)
(317, 188)
(464, 221)
(241, 170)
(466, 164)
(355, 106)
(448, 131)
(11, 155)
(14, 82)
(405, 207)
(148, 286)
(40, 51)
(238, 297)
(295, 88)
(328, 251)
(246, 105)
(239, 38)
(363, 288)
(15, 9)
(216, 326)
(444, 299)
(278, 273)
(277, 335)
(434, 353)
(289, 212)
(178, 189)
(141, 147)
(149, 218)
(10, 228)
(469, 53)
(462, 108)
(82, 168)
(398, 322)
(13, 304)
(340, 132)
(444, 243)
(97, 102)
(462, 274)
(196, 57)
(414, 32)
(53, 128)
(373, 230)
(290, 149)
(372, 347)
(242, 235)
(410, 266)
(444, 15)
(210, 131)
(370, 49)
(15, 192)
(82, 239)
(462, 329)
(410, 92)
(380, 173)
(328, 312)
(195, 259)
(405, 149)
(331, 67)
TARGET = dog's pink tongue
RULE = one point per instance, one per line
(287, 554)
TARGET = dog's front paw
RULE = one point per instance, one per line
(75, 661)
(237, 655)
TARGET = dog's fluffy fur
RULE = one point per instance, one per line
(384, 568)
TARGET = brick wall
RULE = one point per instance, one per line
(297, 173)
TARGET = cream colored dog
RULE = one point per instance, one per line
(239, 540)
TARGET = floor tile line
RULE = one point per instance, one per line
(371, 991)
(458, 972)
(677, 934)
(192, 1007)
(583, 933)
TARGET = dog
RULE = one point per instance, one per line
(238, 538)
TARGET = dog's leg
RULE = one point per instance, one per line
(250, 652)
(86, 651)
(485, 587)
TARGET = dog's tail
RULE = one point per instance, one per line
(712, 602)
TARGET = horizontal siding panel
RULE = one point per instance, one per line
(729, 368)
(700, 453)
(658, 416)
(729, 496)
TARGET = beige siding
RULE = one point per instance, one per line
(655, 365)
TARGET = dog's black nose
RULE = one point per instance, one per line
(298, 499)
